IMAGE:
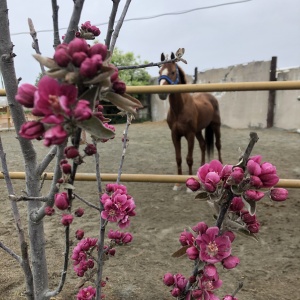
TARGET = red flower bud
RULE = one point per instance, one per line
(119, 87)
(49, 211)
(66, 168)
(32, 130)
(66, 220)
(61, 200)
(71, 152)
(193, 184)
(168, 279)
(78, 58)
(98, 49)
(90, 149)
(79, 234)
(230, 262)
(278, 194)
(61, 57)
(88, 68)
(78, 45)
(79, 212)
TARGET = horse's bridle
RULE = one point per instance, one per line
(168, 79)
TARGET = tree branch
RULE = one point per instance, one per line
(35, 44)
(112, 17)
(73, 25)
(11, 253)
(56, 38)
(86, 202)
(46, 161)
(118, 27)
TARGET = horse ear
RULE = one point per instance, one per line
(172, 55)
(162, 57)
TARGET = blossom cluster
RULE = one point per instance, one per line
(120, 238)
(209, 246)
(87, 293)
(118, 205)
(80, 256)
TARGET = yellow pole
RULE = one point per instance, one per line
(2, 92)
(287, 183)
(214, 87)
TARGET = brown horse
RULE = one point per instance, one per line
(188, 115)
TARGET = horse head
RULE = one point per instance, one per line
(169, 73)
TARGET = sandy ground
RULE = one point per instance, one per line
(271, 267)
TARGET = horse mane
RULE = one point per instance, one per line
(182, 76)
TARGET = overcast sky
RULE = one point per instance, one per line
(214, 37)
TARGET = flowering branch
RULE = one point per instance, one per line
(55, 9)
(73, 25)
(118, 26)
(112, 17)
(35, 44)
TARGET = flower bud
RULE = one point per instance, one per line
(32, 130)
(255, 182)
(97, 60)
(79, 212)
(77, 45)
(254, 227)
(82, 110)
(88, 68)
(253, 195)
(175, 292)
(127, 238)
(269, 180)
(278, 194)
(78, 58)
(71, 152)
(229, 297)
(95, 30)
(192, 279)
(79, 234)
(115, 75)
(200, 228)
(66, 220)
(98, 49)
(193, 184)
(192, 253)
(90, 264)
(230, 262)
(253, 167)
(168, 279)
(112, 251)
(90, 149)
(61, 200)
(119, 87)
(86, 25)
(247, 218)
(237, 204)
(49, 211)
(66, 168)
(25, 95)
(236, 176)
(62, 57)
(186, 238)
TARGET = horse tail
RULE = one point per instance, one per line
(209, 140)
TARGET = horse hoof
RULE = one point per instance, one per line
(176, 187)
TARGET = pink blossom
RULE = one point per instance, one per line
(32, 130)
(25, 94)
(268, 175)
(82, 110)
(61, 200)
(210, 271)
(253, 167)
(193, 184)
(192, 253)
(213, 248)
(213, 166)
(278, 194)
(208, 285)
(55, 136)
(168, 279)
(256, 158)
(230, 262)
(211, 181)
(111, 212)
(180, 281)
(87, 293)
(127, 238)
(66, 220)
(226, 171)
(253, 195)
(230, 235)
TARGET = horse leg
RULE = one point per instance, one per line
(202, 145)
(177, 145)
(217, 132)
(189, 158)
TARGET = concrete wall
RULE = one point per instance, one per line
(247, 109)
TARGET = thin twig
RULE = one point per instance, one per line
(73, 25)
(118, 27)
(11, 253)
(46, 161)
(239, 287)
(56, 38)
(86, 202)
(157, 64)
(35, 44)
(128, 123)
(112, 17)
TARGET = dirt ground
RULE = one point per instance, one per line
(271, 267)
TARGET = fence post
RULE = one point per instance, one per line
(272, 93)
